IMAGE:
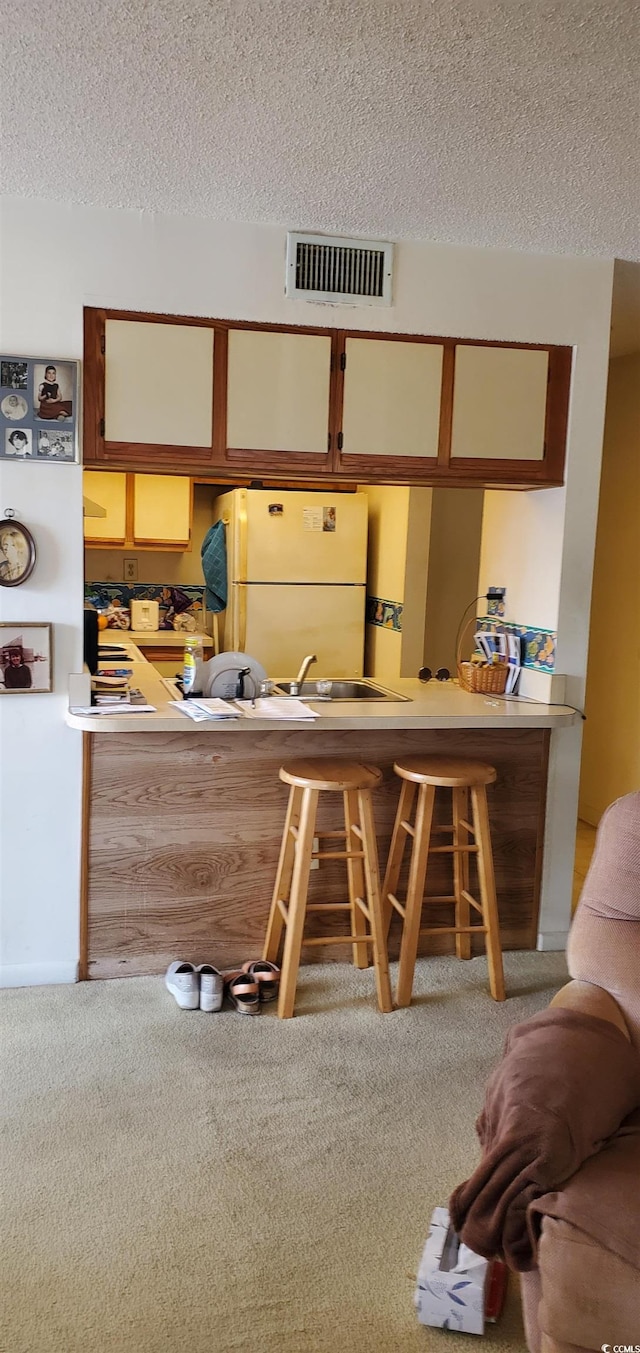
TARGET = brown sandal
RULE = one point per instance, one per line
(244, 994)
(267, 976)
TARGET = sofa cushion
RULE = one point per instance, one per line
(604, 941)
(566, 1082)
(589, 1296)
(602, 1201)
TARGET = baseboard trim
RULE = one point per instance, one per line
(37, 974)
(552, 941)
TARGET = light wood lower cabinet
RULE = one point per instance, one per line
(182, 833)
(144, 512)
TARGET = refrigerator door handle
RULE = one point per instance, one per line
(242, 537)
(241, 612)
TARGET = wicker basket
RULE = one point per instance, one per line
(483, 679)
(479, 677)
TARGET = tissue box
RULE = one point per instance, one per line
(452, 1281)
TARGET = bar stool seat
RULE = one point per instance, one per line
(309, 778)
(421, 776)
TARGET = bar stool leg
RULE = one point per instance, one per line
(373, 900)
(355, 875)
(415, 894)
(461, 870)
(396, 850)
(283, 876)
(487, 882)
(297, 903)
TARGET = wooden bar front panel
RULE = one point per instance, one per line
(185, 828)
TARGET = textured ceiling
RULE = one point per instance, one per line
(484, 122)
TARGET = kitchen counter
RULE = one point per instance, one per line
(161, 638)
(183, 821)
(435, 704)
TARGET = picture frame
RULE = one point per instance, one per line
(39, 410)
(26, 657)
(17, 552)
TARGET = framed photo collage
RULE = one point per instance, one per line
(38, 410)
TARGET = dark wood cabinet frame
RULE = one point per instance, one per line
(219, 462)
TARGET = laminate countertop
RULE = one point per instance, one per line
(156, 638)
(432, 705)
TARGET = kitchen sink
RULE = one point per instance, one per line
(340, 690)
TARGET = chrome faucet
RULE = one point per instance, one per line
(306, 663)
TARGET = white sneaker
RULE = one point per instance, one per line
(182, 980)
(211, 987)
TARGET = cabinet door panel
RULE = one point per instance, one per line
(108, 490)
(278, 391)
(499, 403)
(158, 383)
(161, 509)
(391, 398)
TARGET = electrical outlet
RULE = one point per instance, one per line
(130, 570)
(315, 864)
(496, 600)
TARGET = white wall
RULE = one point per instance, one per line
(186, 265)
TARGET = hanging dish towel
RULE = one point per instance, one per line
(214, 566)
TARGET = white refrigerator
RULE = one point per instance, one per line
(297, 569)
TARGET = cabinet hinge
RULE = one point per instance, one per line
(101, 427)
(329, 442)
(343, 361)
(103, 344)
(340, 441)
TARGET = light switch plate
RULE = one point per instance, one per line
(130, 570)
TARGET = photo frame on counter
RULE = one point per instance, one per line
(26, 658)
(39, 410)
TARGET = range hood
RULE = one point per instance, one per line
(91, 509)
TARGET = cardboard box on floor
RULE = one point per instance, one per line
(452, 1281)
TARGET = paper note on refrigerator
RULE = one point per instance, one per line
(312, 518)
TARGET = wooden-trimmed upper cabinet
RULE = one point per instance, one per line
(106, 490)
(143, 511)
(149, 390)
(279, 396)
(509, 413)
(223, 398)
(391, 405)
(423, 410)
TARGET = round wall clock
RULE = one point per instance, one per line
(17, 551)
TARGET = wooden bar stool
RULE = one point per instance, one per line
(425, 774)
(308, 779)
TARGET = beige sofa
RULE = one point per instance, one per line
(577, 1237)
(586, 1293)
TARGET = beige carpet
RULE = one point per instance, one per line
(212, 1183)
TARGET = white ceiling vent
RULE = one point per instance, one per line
(331, 268)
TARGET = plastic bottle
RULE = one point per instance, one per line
(192, 665)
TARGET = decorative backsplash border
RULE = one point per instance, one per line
(181, 599)
(386, 614)
(538, 646)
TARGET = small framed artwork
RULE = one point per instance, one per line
(38, 409)
(17, 552)
(26, 658)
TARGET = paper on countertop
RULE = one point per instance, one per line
(201, 710)
(116, 707)
(271, 707)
